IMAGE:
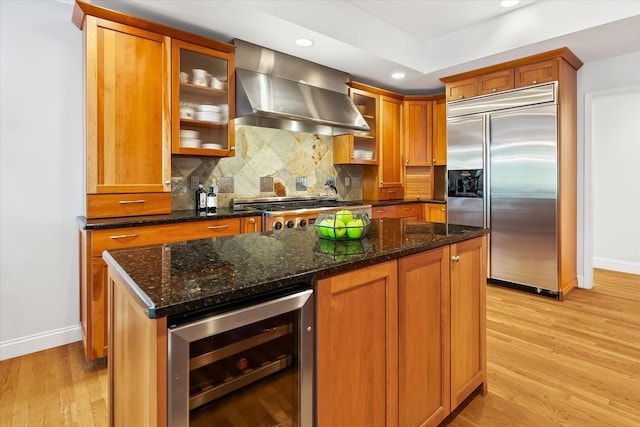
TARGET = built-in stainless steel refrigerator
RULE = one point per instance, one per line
(502, 169)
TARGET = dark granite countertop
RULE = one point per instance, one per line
(192, 215)
(182, 277)
(175, 216)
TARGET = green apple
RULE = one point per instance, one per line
(345, 216)
(325, 227)
(355, 228)
(338, 231)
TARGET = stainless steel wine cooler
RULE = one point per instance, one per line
(249, 366)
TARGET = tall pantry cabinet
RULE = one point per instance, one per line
(129, 82)
(128, 135)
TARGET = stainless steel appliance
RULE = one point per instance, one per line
(507, 143)
(249, 366)
(294, 212)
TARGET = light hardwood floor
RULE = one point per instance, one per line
(570, 363)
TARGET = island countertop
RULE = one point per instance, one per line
(182, 277)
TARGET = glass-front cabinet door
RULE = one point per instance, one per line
(203, 100)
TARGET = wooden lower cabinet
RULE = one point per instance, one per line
(423, 298)
(468, 277)
(435, 212)
(408, 211)
(433, 353)
(357, 348)
(93, 270)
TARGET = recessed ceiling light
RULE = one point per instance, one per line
(304, 42)
(509, 3)
(398, 75)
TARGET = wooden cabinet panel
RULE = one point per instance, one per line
(251, 224)
(127, 105)
(495, 82)
(423, 325)
(439, 150)
(357, 348)
(418, 132)
(536, 73)
(462, 89)
(127, 204)
(468, 318)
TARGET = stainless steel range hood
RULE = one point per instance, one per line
(280, 91)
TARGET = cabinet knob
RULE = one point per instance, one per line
(535, 82)
(381, 183)
(434, 160)
(167, 182)
(461, 96)
(232, 148)
(406, 162)
(494, 89)
(455, 258)
(252, 220)
(442, 209)
(352, 157)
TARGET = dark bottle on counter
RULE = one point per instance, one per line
(201, 199)
(212, 200)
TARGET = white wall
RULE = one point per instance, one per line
(609, 149)
(41, 175)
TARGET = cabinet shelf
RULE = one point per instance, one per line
(203, 123)
(201, 90)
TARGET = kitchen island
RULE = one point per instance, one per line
(429, 316)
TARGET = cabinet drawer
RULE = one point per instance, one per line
(118, 238)
(407, 211)
(383, 212)
(391, 193)
(132, 204)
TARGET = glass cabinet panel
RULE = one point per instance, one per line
(202, 101)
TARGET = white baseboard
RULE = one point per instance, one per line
(616, 265)
(37, 342)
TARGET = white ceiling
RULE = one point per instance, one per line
(425, 39)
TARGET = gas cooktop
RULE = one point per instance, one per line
(278, 204)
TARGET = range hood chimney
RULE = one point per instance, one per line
(280, 91)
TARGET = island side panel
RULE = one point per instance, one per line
(137, 360)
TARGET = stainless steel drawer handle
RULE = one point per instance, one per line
(128, 202)
(123, 236)
(455, 258)
(216, 227)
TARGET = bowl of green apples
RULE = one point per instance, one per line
(342, 225)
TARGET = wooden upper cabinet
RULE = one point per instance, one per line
(127, 118)
(462, 89)
(439, 149)
(495, 82)
(203, 106)
(360, 148)
(536, 73)
(418, 132)
(390, 142)
(535, 69)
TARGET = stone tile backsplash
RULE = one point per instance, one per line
(264, 156)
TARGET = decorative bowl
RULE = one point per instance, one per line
(342, 225)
